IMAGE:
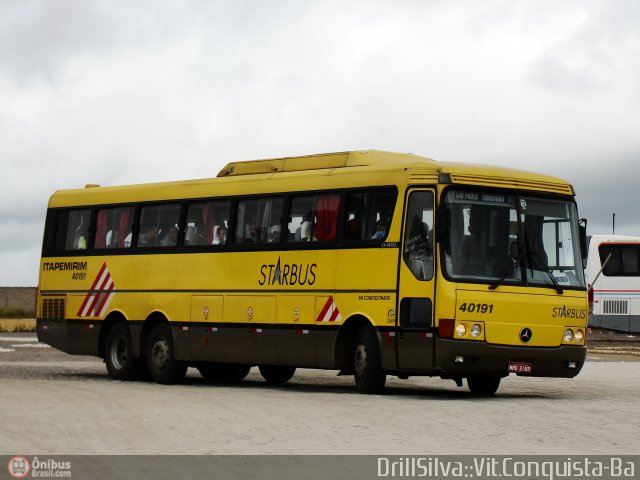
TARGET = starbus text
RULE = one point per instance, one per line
(287, 274)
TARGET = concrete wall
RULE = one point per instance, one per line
(23, 298)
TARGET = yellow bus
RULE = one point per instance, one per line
(366, 262)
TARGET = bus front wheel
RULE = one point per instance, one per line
(276, 374)
(161, 362)
(367, 365)
(483, 384)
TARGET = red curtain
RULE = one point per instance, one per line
(209, 220)
(124, 225)
(101, 229)
(327, 217)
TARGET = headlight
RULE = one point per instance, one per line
(579, 336)
(476, 330)
(568, 335)
(461, 330)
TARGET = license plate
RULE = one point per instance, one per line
(520, 367)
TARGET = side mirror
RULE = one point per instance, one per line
(582, 230)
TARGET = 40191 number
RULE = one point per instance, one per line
(476, 307)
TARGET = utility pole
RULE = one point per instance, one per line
(614, 224)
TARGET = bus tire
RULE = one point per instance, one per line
(367, 366)
(276, 374)
(483, 384)
(118, 353)
(161, 361)
(224, 372)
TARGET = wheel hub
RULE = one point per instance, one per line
(160, 355)
(360, 360)
(119, 353)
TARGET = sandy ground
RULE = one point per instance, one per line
(57, 404)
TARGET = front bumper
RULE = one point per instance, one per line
(479, 358)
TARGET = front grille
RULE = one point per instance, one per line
(53, 308)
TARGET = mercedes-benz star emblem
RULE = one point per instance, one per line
(525, 335)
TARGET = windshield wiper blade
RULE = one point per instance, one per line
(534, 257)
(503, 274)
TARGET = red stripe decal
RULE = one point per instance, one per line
(334, 314)
(104, 298)
(325, 309)
(93, 286)
(96, 297)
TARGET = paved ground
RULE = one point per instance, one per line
(53, 403)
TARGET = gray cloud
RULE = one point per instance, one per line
(37, 38)
(116, 92)
(605, 187)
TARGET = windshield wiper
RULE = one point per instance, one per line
(503, 274)
(535, 258)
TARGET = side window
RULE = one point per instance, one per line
(369, 215)
(382, 205)
(72, 230)
(159, 225)
(207, 223)
(418, 237)
(313, 218)
(113, 228)
(49, 243)
(624, 261)
(356, 208)
(258, 221)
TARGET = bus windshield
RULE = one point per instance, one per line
(500, 237)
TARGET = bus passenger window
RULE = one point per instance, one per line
(256, 218)
(159, 225)
(74, 225)
(314, 218)
(207, 223)
(113, 228)
(369, 214)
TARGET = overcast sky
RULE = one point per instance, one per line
(116, 92)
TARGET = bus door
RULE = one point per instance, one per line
(414, 332)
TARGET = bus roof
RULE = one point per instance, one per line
(612, 238)
(389, 166)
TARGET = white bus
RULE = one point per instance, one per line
(613, 273)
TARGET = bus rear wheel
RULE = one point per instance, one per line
(483, 384)
(161, 362)
(367, 365)
(276, 374)
(224, 372)
(118, 354)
